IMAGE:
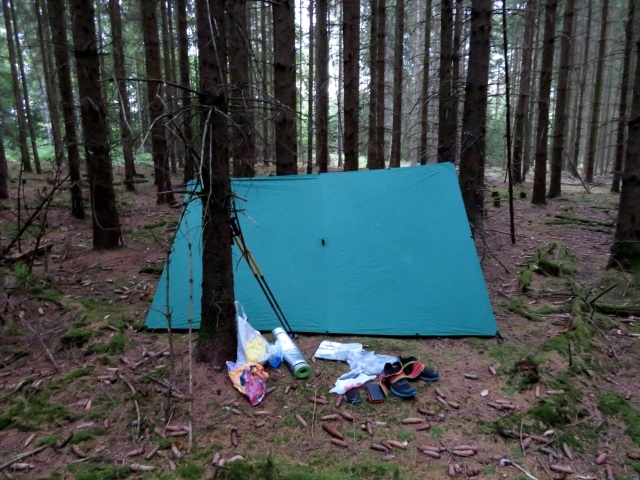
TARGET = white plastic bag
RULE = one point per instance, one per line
(369, 362)
(252, 346)
(353, 379)
(328, 350)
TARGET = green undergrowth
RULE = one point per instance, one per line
(71, 377)
(552, 259)
(615, 404)
(99, 471)
(271, 469)
(33, 413)
(534, 313)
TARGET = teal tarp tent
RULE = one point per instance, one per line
(382, 252)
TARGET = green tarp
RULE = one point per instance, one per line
(382, 252)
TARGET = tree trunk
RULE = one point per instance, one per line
(339, 113)
(50, 83)
(168, 77)
(424, 98)
(625, 251)
(310, 89)
(398, 65)
(532, 110)
(474, 119)
(525, 89)
(456, 75)
(542, 132)
(446, 134)
(241, 109)
(155, 106)
(322, 87)
(106, 223)
(373, 47)
(351, 33)
(583, 86)
(25, 91)
(190, 166)
(561, 117)
(17, 94)
(594, 124)
(624, 89)
(56, 11)
(241, 105)
(4, 168)
(217, 339)
(284, 80)
(124, 112)
(266, 36)
(381, 31)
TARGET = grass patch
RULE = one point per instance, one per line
(71, 377)
(31, 414)
(615, 404)
(80, 437)
(190, 471)
(94, 471)
(76, 337)
(116, 345)
(153, 269)
(268, 469)
(49, 441)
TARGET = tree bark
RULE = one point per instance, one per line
(4, 168)
(381, 31)
(167, 88)
(624, 89)
(625, 251)
(50, 83)
(322, 87)
(267, 39)
(446, 134)
(17, 94)
(561, 117)
(525, 91)
(542, 132)
(398, 66)
(594, 124)
(25, 91)
(424, 98)
(351, 33)
(456, 80)
(474, 119)
(56, 11)
(155, 106)
(217, 339)
(310, 89)
(284, 80)
(124, 111)
(243, 140)
(373, 47)
(583, 86)
(106, 222)
(190, 166)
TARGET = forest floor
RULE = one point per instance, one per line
(83, 385)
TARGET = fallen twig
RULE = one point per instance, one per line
(21, 456)
(142, 362)
(40, 340)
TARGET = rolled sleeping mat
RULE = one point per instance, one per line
(292, 355)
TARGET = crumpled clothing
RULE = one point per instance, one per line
(249, 379)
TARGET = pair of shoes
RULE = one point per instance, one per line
(394, 380)
(415, 369)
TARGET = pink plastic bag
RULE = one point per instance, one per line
(249, 379)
